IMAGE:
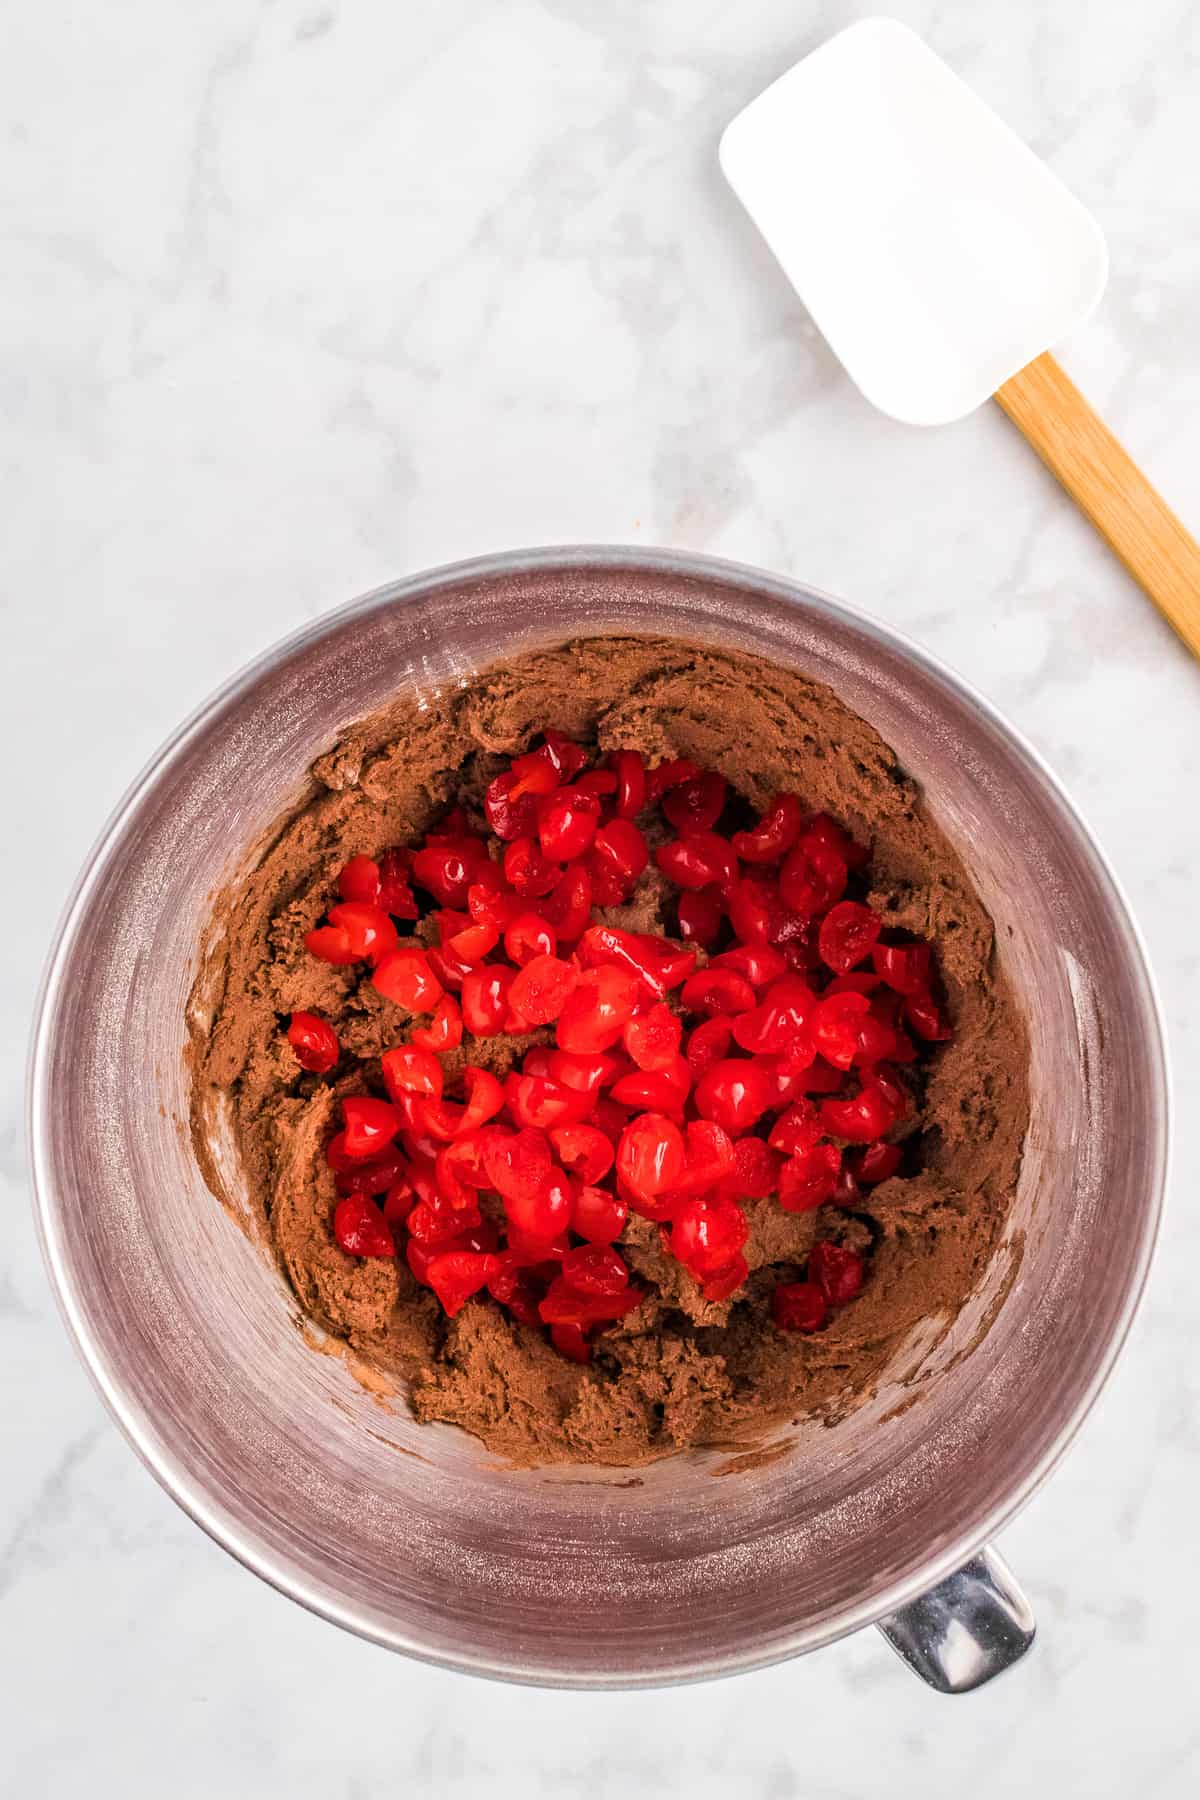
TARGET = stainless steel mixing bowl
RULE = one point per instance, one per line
(413, 1535)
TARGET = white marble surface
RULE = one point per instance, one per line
(304, 295)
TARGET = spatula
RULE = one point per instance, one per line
(941, 259)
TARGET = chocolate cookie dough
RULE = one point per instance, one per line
(679, 1372)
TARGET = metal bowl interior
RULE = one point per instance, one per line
(412, 1534)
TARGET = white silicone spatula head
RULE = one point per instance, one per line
(935, 252)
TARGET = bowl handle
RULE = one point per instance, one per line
(967, 1629)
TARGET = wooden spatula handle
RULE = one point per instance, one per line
(1107, 485)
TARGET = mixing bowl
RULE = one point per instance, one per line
(412, 1534)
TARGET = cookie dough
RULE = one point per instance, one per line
(679, 1372)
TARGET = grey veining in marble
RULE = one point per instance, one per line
(297, 297)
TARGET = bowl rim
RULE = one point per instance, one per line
(136, 1424)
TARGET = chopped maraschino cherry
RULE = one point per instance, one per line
(798, 1306)
(838, 1272)
(314, 1042)
(358, 1226)
(764, 1077)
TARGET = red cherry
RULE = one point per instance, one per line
(373, 1176)
(369, 1124)
(457, 1274)
(696, 804)
(820, 1077)
(490, 901)
(536, 773)
(584, 1072)
(455, 1192)
(869, 1114)
(407, 977)
(529, 935)
(812, 878)
(437, 1120)
(668, 775)
(336, 1156)
(878, 1162)
(630, 772)
(777, 830)
(658, 965)
(485, 999)
(798, 1306)
(734, 1094)
(412, 1070)
(707, 1045)
(702, 860)
(809, 1180)
(359, 1227)
(540, 1254)
(359, 880)
(839, 1273)
(907, 968)
(619, 856)
(700, 913)
(445, 1029)
(655, 1090)
(583, 1150)
(755, 1172)
(759, 963)
(650, 1156)
(331, 944)
(781, 1020)
(510, 815)
(927, 1019)
(652, 1038)
(595, 1269)
(518, 1163)
(795, 1131)
(516, 1288)
(565, 1305)
(595, 1015)
(713, 990)
(758, 915)
(314, 1042)
(837, 1021)
(563, 753)
(709, 1152)
(567, 907)
(598, 1215)
(876, 1042)
(527, 870)
(539, 1103)
(418, 1257)
(725, 1282)
(472, 943)
(540, 1215)
(824, 833)
(369, 930)
(395, 895)
(447, 870)
(600, 783)
(485, 1098)
(567, 821)
(570, 1342)
(399, 1201)
(706, 1234)
(449, 969)
(785, 1079)
(847, 934)
(437, 1222)
(541, 989)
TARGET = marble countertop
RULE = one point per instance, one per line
(299, 297)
